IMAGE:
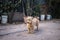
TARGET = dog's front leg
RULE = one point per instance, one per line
(29, 30)
(32, 30)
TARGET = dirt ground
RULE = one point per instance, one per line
(48, 30)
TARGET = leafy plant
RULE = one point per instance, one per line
(7, 6)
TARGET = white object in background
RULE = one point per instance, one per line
(48, 17)
(42, 17)
(4, 19)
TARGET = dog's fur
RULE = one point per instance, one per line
(30, 21)
(35, 21)
(29, 25)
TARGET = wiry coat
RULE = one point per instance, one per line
(31, 22)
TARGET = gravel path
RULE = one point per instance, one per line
(47, 31)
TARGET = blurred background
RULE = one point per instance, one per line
(15, 10)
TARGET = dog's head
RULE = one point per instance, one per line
(29, 20)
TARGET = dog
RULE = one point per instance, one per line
(31, 22)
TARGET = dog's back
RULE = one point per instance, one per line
(35, 21)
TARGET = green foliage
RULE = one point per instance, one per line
(7, 6)
(36, 10)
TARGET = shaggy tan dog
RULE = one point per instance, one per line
(31, 22)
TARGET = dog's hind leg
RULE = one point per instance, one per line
(37, 27)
